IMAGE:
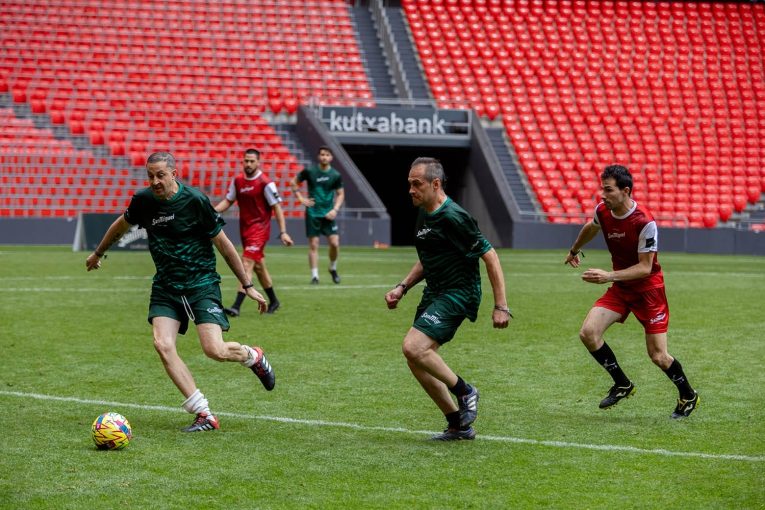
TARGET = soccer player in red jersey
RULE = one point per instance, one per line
(258, 199)
(638, 286)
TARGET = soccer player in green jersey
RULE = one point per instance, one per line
(183, 227)
(449, 245)
(325, 196)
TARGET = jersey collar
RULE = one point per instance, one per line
(630, 211)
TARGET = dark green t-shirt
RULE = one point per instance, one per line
(449, 245)
(180, 232)
(322, 185)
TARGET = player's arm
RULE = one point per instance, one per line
(113, 233)
(636, 272)
(295, 186)
(501, 314)
(392, 297)
(587, 234)
(226, 248)
(284, 237)
(339, 199)
(223, 205)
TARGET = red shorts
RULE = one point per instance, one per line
(650, 307)
(254, 245)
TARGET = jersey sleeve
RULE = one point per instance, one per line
(467, 237)
(595, 219)
(302, 175)
(211, 221)
(231, 192)
(649, 238)
(132, 214)
(271, 194)
(338, 184)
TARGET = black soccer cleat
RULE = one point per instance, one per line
(273, 306)
(263, 369)
(203, 423)
(455, 435)
(231, 311)
(685, 407)
(468, 406)
(314, 281)
(617, 393)
(335, 276)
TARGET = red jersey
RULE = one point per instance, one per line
(255, 196)
(627, 236)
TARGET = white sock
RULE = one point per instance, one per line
(251, 358)
(314, 272)
(333, 265)
(197, 403)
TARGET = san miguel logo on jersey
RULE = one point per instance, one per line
(322, 179)
(423, 232)
(162, 219)
(616, 235)
(246, 189)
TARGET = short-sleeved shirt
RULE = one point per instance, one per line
(449, 245)
(256, 196)
(180, 232)
(322, 185)
(626, 237)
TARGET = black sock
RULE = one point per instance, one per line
(271, 294)
(607, 359)
(453, 420)
(677, 376)
(461, 388)
(239, 300)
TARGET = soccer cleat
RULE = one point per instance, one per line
(203, 423)
(455, 435)
(616, 393)
(314, 281)
(335, 276)
(263, 369)
(468, 405)
(232, 312)
(685, 407)
(273, 306)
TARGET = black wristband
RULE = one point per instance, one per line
(576, 253)
(506, 310)
(249, 285)
(403, 286)
(282, 233)
(99, 255)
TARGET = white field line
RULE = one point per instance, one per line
(355, 426)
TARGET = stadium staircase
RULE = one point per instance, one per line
(673, 90)
(374, 60)
(513, 175)
(407, 54)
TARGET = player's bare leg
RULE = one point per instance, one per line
(688, 398)
(334, 252)
(313, 258)
(211, 338)
(165, 334)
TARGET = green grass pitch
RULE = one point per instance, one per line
(347, 425)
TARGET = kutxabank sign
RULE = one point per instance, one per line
(393, 121)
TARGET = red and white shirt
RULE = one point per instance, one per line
(627, 236)
(256, 196)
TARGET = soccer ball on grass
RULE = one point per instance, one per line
(111, 431)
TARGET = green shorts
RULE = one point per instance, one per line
(439, 318)
(315, 227)
(203, 305)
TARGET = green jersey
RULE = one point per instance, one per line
(322, 185)
(180, 232)
(449, 245)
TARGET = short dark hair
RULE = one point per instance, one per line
(253, 151)
(158, 157)
(620, 174)
(324, 148)
(433, 169)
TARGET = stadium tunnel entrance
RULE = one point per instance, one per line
(386, 168)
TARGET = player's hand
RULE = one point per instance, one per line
(308, 202)
(501, 318)
(392, 297)
(596, 276)
(254, 294)
(572, 260)
(93, 262)
(331, 215)
(286, 239)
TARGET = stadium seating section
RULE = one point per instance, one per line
(674, 90)
(195, 80)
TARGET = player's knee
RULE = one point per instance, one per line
(214, 351)
(587, 335)
(164, 346)
(661, 359)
